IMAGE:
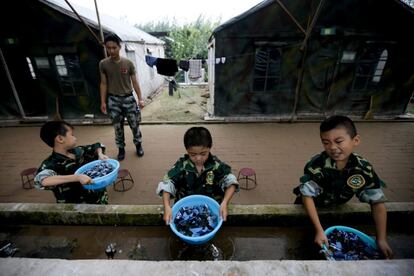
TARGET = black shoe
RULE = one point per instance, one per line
(121, 154)
(140, 151)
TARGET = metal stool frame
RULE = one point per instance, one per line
(247, 174)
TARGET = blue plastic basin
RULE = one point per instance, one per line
(103, 181)
(193, 200)
(364, 237)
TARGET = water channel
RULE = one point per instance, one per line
(158, 243)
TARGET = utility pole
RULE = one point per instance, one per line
(100, 29)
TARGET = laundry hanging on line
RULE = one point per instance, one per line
(150, 60)
(184, 65)
(195, 69)
(166, 67)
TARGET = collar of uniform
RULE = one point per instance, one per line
(60, 157)
(331, 164)
(190, 166)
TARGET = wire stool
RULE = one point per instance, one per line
(245, 176)
(27, 177)
(124, 181)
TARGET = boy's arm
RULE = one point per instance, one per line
(309, 205)
(230, 190)
(62, 179)
(167, 207)
(379, 213)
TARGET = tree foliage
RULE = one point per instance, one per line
(184, 41)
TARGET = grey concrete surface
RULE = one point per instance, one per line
(51, 267)
(130, 215)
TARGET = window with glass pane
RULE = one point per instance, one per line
(266, 74)
(369, 69)
(61, 65)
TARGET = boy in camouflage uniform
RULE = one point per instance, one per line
(117, 79)
(334, 176)
(56, 172)
(198, 172)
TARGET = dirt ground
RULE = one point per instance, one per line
(277, 151)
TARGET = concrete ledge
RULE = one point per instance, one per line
(128, 215)
(23, 266)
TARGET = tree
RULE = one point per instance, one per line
(186, 41)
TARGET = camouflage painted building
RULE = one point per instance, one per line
(309, 59)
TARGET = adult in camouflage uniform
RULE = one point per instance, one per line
(198, 172)
(335, 175)
(117, 79)
(56, 173)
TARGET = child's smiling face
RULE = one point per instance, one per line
(339, 145)
(198, 155)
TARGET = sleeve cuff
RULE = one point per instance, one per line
(42, 175)
(310, 188)
(229, 180)
(97, 146)
(166, 186)
(372, 196)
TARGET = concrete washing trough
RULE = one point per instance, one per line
(254, 239)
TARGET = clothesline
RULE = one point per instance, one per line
(169, 67)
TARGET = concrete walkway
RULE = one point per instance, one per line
(51, 267)
(277, 151)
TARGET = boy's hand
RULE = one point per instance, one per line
(167, 215)
(102, 156)
(84, 179)
(321, 239)
(223, 210)
(385, 249)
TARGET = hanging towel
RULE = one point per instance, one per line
(184, 64)
(150, 60)
(167, 67)
(195, 69)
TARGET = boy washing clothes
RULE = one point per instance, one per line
(334, 176)
(56, 173)
(198, 172)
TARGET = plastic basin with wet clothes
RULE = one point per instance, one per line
(196, 200)
(102, 181)
(364, 238)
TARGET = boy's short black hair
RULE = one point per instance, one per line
(197, 136)
(112, 37)
(50, 130)
(339, 121)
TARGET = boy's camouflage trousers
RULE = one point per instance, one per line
(120, 108)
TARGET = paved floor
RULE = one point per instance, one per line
(277, 151)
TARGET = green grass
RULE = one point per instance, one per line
(175, 108)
